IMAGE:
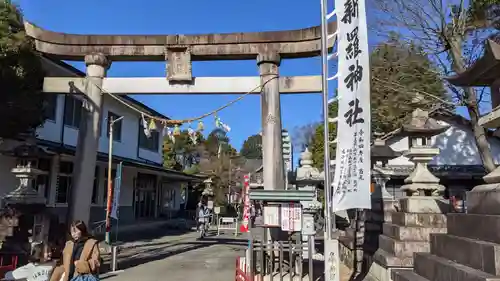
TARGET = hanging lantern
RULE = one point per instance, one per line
(200, 127)
(152, 125)
(177, 131)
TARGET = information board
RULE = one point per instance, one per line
(291, 217)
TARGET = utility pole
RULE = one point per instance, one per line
(110, 182)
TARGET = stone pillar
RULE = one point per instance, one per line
(88, 139)
(272, 146)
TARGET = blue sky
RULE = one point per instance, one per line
(190, 17)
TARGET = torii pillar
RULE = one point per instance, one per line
(272, 146)
(88, 139)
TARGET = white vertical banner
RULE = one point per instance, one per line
(116, 192)
(351, 184)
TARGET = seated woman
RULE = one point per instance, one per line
(39, 268)
(80, 256)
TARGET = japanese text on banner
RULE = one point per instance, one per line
(352, 171)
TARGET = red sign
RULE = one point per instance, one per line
(246, 205)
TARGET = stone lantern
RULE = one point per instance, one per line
(307, 178)
(28, 205)
(380, 156)
(420, 130)
(24, 195)
(208, 192)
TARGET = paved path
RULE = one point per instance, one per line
(180, 257)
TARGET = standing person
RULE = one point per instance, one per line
(81, 256)
(202, 219)
(39, 268)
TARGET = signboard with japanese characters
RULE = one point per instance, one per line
(291, 217)
(272, 216)
(352, 171)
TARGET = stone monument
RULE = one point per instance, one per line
(422, 212)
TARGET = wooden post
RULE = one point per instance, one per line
(272, 147)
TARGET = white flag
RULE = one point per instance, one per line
(351, 184)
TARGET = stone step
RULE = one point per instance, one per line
(435, 268)
(389, 260)
(474, 226)
(480, 255)
(406, 275)
(402, 248)
(418, 219)
(410, 233)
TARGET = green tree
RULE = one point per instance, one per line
(452, 33)
(317, 144)
(21, 76)
(181, 153)
(252, 147)
(402, 78)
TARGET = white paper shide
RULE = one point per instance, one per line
(351, 185)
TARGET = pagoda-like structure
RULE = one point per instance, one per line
(470, 248)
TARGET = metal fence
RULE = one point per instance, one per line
(281, 260)
(227, 224)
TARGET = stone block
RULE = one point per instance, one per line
(435, 268)
(386, 260)
(402, 248)
(410, 233)
(424, 204)
(474, 226)
(484, 199)
(480, 255)
(406, 275)
(419, 219)
(385, 205)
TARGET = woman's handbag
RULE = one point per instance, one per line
(85, 277)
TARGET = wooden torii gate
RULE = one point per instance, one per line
(98, 51)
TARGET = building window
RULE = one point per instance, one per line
(117, 126)
(105, 192)
(95, 188)
(64, 182)
(72, 111)
(152, 143)
(50, 106)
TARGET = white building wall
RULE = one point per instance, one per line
(457, 147)
(127, 147)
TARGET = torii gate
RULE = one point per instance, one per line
(98, 51)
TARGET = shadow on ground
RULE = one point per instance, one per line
(158, 251)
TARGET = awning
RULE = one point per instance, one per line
(143, 164)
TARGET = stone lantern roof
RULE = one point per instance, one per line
(423, 125)
(380, 151)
